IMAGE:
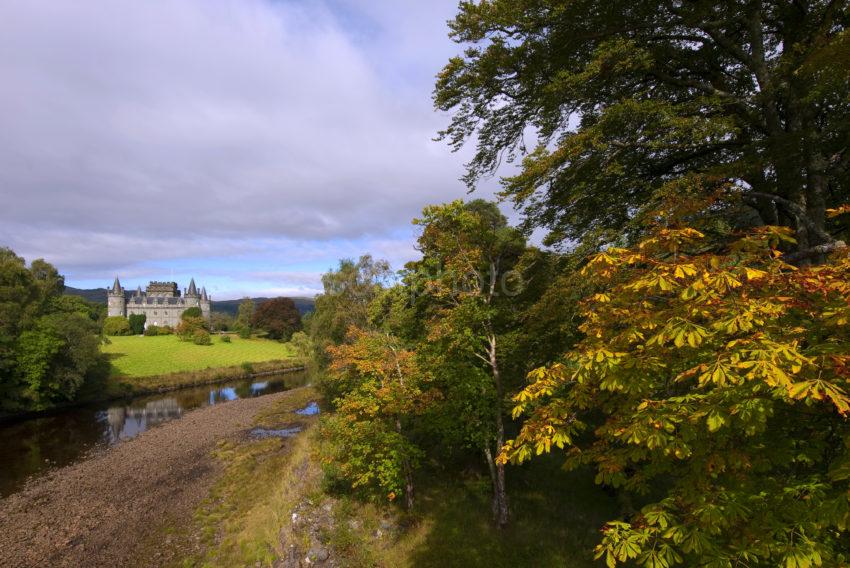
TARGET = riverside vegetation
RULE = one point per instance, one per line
(682, 341)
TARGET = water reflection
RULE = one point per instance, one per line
(33, 446)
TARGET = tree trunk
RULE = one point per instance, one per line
(497, 470)
(501, 514)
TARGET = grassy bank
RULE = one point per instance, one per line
(239, 524)
(139, 356)
(269, 504)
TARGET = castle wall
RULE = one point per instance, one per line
(162, 306)
(165, 313)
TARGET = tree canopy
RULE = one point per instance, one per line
(278, 317)
(49, 343)
(750, 99)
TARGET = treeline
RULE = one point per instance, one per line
(49, 342)
(684, 334)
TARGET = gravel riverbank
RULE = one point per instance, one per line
(99, 511)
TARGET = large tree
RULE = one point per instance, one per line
(469, 254)
(48, 342)
(749, 98)
(278, 317)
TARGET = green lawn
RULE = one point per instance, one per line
(139, 356)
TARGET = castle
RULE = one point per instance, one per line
(161, 302)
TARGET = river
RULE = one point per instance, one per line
(34, 446)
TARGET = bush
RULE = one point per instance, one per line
(137, 323)
(225, 339)
(186, 329)
(153, 330)
(201, 337)
(116, 325)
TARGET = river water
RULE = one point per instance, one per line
(34, 446)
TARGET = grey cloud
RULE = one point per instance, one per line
(207, 116)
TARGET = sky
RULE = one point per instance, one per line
(249, 144)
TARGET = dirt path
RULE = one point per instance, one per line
(97, 512)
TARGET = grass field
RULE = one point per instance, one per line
(138, 356)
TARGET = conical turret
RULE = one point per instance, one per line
(138, 293)
(116, 287)
(193, 290)
(204, 296)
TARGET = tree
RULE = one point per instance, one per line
(220, 321)
(714, 385)
(191, 327)
(49, 343)
(244, 317)
(278, 317)
(117, 325)
(137, 323)
(193, 312)
(348, 292)
(368, 439)
(625, 98)
(469, 253)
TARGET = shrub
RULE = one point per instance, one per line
(166, 330)
(248, 368)
(201, 337)
(225, 339)
(137, 323)
(116, 325)
(186, 329)
(152, 330)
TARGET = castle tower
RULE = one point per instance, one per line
(192, 298)
(116, 303)
(205, 304)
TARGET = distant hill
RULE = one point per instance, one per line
(98, 296)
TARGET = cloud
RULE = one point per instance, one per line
(138, 132)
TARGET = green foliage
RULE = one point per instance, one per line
(48, 342)
(244, 318)
(381, 390)
(715, 385)
(201, 337)
(137, 323)
(154, 330)
(278, 317)
(348, 292)
(625, 97)
(225, 339)
(220, 321)
(302, 345)
(117, 325)
(193, 312)
(188, 327)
